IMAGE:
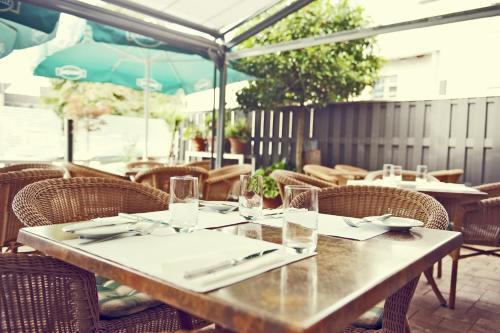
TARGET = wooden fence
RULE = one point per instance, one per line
(443, 134)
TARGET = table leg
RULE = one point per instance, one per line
(440, 269)
(453, 283)
(430, 278)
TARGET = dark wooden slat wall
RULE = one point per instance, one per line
(444, 134)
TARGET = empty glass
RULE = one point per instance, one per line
(183, 204)
(300, 218)
(397, 171)
(421, 176)
(387, 172)
(251, 199)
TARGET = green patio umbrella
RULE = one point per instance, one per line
(23, 25)
(135, 67)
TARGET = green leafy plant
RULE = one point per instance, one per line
(311, 76)
(191, 131)
(270, 188)
(238, 130)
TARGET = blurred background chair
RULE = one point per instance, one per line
(447, 176)
(285, 177)
(76, 170)
(359, 173)
(159, 177)
(480, 228)
(361, 201)
(24, 166)
(143, 165)
(10, 184)
(205, 164)
(78, 199)
(338, 176)
(223, 183)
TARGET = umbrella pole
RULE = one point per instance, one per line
(146, 108)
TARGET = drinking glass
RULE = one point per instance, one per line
(397, 171)
(387, 172)
(300, 218)
(421, 176)
(251, 198)
(183, 204)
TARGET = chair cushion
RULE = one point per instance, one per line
(371, 319)
(116, 300)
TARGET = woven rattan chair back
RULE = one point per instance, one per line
(143, 165)
(25, 166)
(83, 198)
(360, 201)
(205, 164)
(285, 177)
(447, 176)
(321, 172)
(159, 178)
(359, 172)
(10, 184)
(43, 294)
(76, 170)
(223, 183)
(408, 175)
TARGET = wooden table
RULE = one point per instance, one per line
(320, 294)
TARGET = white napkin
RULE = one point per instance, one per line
(410, 185)
(168, 257)
(333, 225)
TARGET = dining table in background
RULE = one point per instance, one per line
(324, 293)
(453, 197)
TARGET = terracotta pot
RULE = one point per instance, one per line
(209, 143)
(237, 146)
(199, 144)
(272, 202)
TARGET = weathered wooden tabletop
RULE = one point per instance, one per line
(320, 294)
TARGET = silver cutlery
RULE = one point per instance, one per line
(356, 224)
(139, 218)
(130, 232)
(225, 264)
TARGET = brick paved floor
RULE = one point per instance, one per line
(477, 305)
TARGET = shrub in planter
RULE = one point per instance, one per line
(193, 133)
(271, 191)
(238, 135)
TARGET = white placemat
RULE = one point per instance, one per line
(206, 219)
(410, 185)
(333, 225)
(168, 256)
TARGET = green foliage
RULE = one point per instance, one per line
(238, 130)
(191, 131)
(271, 189)
(314, 75)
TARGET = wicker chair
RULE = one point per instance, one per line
(76, 170)
(359, 201)
(68, 200)
(285, 177)
(480, 227)
(447, 176)
(222, 182)
(338, 176)
(205, 164)
(359, 173)
(10, 184)
(143, 165)
(408, 175)
(24, 166)
(159, 178)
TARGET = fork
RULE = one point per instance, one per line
(132, 232)
(356, 224)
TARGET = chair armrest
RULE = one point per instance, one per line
(492, 189)
(58, 295)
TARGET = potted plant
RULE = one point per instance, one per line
(193, 133)
(238, 134)
(271, 190)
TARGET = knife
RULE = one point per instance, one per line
(220, 266)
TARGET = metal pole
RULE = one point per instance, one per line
(146, 107)
(212, 148)
(222, 105)
(68, 131)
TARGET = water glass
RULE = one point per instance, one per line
(300, 218)
(397, 171)
(421, 176)
(251, 197)
(387, 172)
(183, 204)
